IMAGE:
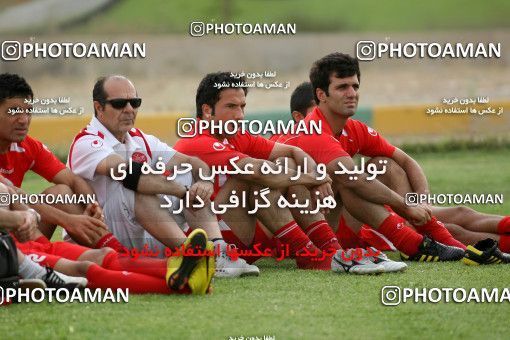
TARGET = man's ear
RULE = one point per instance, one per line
(206, 112)
(321, 94)
(297, 116)
(99, 108)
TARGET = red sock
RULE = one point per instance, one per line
(109, 240)
(292, 235)
(504, 225)
(438, 232)
(348, 238)
(147, 266)
(321, 234)
(369, 237)
(99, 277)
(299, 243)
(504, 243)
(404, 238)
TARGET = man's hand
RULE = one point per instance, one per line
(85, 230)
(202, 189)
(320, 192)
(28, 227)
(94, 210)
(418, 215)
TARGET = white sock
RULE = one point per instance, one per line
(28, 269)
(219, 242)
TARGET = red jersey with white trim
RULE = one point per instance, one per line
(30, 154)
(355, 138)
(216, 153)
(358, 138)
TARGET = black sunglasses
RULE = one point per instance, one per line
(120, 103)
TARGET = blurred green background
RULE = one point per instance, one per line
(161, 16)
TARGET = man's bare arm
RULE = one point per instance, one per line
(414, 172)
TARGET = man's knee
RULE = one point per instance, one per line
(95, 255)
(392, 168)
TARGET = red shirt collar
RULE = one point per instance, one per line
(316, 115)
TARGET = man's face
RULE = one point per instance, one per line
(117, 120)
(230, 106)
(343, 95)
(14, 127)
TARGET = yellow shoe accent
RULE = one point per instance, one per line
(474, 250)
(201, 277)
(470, 262)
(180, 269)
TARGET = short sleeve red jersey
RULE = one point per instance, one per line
(355, 138)
(358, 138)
(216, 153)
(30, 154)
(322, 147)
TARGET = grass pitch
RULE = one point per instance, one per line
(289, 304)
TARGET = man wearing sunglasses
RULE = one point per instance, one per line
(132, 205)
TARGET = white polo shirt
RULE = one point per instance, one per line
(95, 143)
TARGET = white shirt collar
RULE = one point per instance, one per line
(108, 136)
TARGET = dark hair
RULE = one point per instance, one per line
(338, 64)
(302, 98)
(13, 86)
(98, 93)
(208, 93)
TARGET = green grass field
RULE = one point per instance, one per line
(159, 16)
(295, 304)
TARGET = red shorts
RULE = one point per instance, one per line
(48, 253)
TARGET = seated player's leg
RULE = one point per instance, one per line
(467, 236)
(279, 221)
(240, 222)
(334, 215)
(413, 245)
(156, 221)
(469, 219)
(285, 229)
(204, 218)
(348, 231)
(396, 179)
(241, 225)
(314, 225)
(38, 264)
(194, 278)
(105, 257)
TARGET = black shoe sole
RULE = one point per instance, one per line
(180, 277)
